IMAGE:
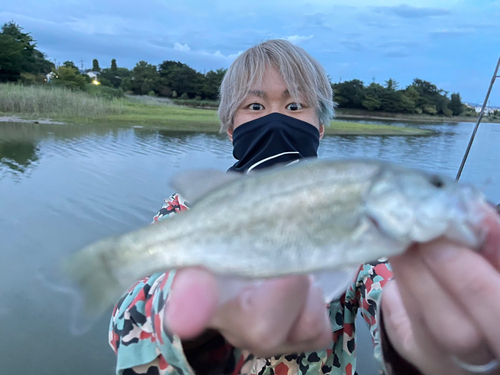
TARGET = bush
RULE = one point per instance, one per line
(197, 103)
(31, 79)
(105, 92)
(184, 96)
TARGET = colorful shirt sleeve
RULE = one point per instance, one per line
(136, 330)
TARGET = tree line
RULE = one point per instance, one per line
(20, 61)
(418, 97)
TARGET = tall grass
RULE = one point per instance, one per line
(54, 101)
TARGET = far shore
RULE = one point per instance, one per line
(208, 124)
(386, 116)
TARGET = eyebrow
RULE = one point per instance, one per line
(262, 94)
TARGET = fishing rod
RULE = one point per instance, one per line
(495, 76)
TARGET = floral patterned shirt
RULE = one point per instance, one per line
(143, 347)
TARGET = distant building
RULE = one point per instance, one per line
(93, 75)
(50, 76)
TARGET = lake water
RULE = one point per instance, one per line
(62, 187)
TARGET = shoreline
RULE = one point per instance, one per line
(199, 126)
(15, 118)
(383, 116)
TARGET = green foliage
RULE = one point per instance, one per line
(145, 78)
(456, 106)
(419, 97)
(32, 79)
(126, 84)
(19, 55)
(180, 77)
(349, 94)
(68, 77)
(184, 96)
(113, 76)
(373, 96)
(197, 103)
(104, 92)
(11, 57)
(70, 64)
(429, 109)
(212, 82)
(51, 100)
(95, 66)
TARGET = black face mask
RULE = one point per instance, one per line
(273, 139)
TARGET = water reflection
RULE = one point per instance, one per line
(70, 185)
(18, 156)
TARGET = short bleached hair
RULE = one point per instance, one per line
(304, 76)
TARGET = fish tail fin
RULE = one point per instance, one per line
(91, 273)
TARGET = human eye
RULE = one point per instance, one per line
(294, 106)
(256, 107)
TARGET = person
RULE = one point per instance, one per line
(439, 315)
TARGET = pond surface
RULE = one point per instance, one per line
(62, 187)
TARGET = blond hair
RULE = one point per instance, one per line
(304, 76)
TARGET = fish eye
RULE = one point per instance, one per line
(436, 181)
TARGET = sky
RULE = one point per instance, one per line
(455, 44)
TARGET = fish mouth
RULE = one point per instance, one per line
(374, 221)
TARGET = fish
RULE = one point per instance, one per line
(314, 217)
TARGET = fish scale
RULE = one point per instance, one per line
(311, 217)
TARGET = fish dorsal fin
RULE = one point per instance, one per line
(195, 184)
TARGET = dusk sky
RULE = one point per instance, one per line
(454, 44)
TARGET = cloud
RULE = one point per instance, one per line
(396, 54)
(408, 11)
(98, 24)
(181, 47)
(352, 45)
(452, 32)
(297, 39)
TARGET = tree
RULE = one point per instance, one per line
(11, 57)
(114, 68)
(145, 78)
(69, 77)
(391, 84)
(349, 94)
(456, 106)
(95, 66)
(180, 77)
(70, 64)
(373, 96)
(18, 54)
(212, 82)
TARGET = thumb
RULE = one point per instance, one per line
(191, 304)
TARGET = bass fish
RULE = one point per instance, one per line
(309, 218)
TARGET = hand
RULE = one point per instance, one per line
(445, 302)
(280, 316)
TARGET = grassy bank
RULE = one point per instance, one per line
(75, 107)
(55, 102)
(346, 113)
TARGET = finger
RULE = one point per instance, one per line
(260, 319)
(491, 247)
(412, 341)
(472, 281)
(313, 324)
(192, 303)
(431, 301)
